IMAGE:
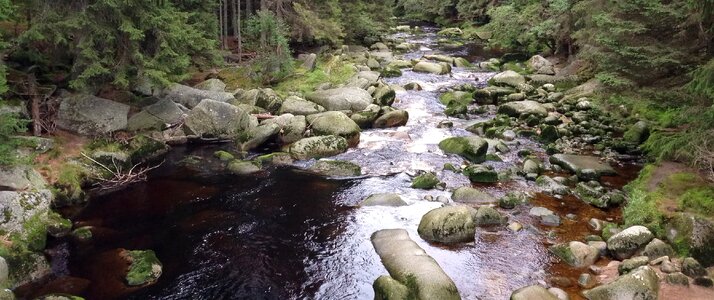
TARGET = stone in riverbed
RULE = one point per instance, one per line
(657, 248)
(576, 254)
(508, 78)
(694, 233)
(385, 199)
(546, 216)
(467, 194)
(393, 118)
(90, 115)
(523, 108)
(638, 133)
(409, 264)
(533, 292)
(430, 67)
(335, 123)
(677, 279)
(257, 136)
(630, 264)
(347, 98)
(448, 225)
(625, 243)
(578, 163)
(692, 268)
(487, 216)
(481, 174)
(317, 147)
(641, 283)
(472, 148)
(292, 128)
(425, 181)
(239, 167)
(336, 168)
(387, 288)
(145, 268)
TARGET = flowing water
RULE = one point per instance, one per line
(289, 234)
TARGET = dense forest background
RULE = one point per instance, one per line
(653, 57)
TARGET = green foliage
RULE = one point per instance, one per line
(269, 37)
(11, 125)
(143, 267)
(700, 200)
(642, 209)
(703, 81)
(117, 41)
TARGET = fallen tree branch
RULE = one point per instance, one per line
(120, 177)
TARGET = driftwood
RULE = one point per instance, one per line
(119, 176)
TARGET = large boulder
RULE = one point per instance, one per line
(213, 85)
(508, 78)
(472, 148)
(625, 243)
(638, 133)
(257, 136)
(317, 147)
(292, 128)
(409, 264)
(539, 65)
(448, 225)
(533, 292)
(298, 106)
(431, 67)
(335, 123)
(219, 119)
(388, 288)
(190, 97)
(467, 194)
(384, 199)
(576, 254)
(578, 163)
(695, 234)
(641, 284)
(264, 98)
(347, 98)
(523, 108)
(156, 116)
(19, 178)
(393, 118)
(90, 115)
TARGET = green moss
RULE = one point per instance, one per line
(563, 252)
(333, 71)
(425, 181)
(145, 267)
(35, 230)
(699, 200)
(642, 209)
(516, 67)
(144, 148)
(57, 225)
(223, 155)
(83, 234)
(68, 187)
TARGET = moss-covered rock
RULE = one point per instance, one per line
(481, 174)
(393, 118)
(218, 119)
(384, 199)
(336, 168)
(472, 148)
(625, 243)
(488, 216)
(83, 234)
(223, 155)
(641, 283)
(576, 254)
(692, 235)
(387, 288)
(335, 123)
(533, 292)
(317, 147)
(467, 194)
(239, 167)
(425, 181)
(145, 267)
(448, 225)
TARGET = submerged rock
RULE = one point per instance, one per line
(425, 181)
(481, 174)
(384, 199)
(393, 118)
(409, 264)
(239, 167)
(641, 283)
(448, 225)
(336, 168)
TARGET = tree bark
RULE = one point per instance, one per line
(220, 25)
(263, 34)
(35, 104)
(239, 37)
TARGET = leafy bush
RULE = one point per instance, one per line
(10, 125)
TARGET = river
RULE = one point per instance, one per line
(289, 234)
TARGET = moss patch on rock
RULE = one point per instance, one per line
(145, 267)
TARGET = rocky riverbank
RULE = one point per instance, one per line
(477, 147)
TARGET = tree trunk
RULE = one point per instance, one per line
(263, 34)
(220, 25)
(226, 21)
(235, 17)
(239, 36)
(35, 105)
(248, 8)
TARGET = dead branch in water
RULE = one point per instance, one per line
(119, 176)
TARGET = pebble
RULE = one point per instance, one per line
(515, 227)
